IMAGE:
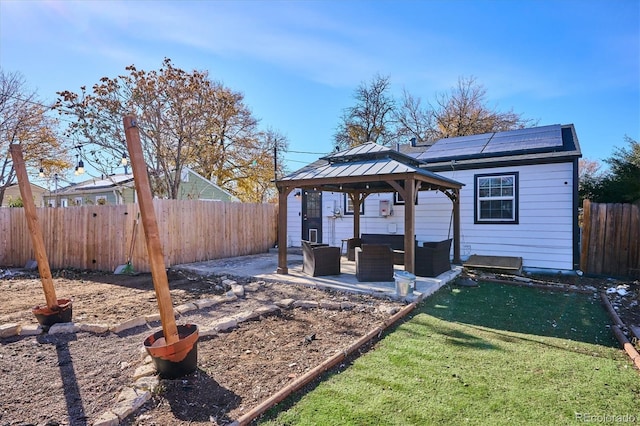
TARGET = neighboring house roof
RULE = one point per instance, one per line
(102, 184)
(98, 184)
(533, 145)
(208, 189)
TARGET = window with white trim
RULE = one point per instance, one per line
(496, 198)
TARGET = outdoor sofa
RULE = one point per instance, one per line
(320, 259)
(394, 241)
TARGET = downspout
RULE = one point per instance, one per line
(576, 224)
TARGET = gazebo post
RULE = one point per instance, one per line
(355, 199)
(283, 192)
(409, 225)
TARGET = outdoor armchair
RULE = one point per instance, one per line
(320, 259)
(432, 258)
(374, 262)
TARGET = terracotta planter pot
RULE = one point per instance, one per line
(178, 359)
(61, 313)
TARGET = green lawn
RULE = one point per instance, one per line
(494, 354)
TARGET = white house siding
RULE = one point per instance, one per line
(543, 237)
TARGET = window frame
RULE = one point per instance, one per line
(349, 211)
(515, 197)
(399, 201)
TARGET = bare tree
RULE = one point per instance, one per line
(371, 119)
(378, 117)
(414, 121)
(464, 111)
(24, 121)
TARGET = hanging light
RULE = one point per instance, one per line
(124, 160)
(80, 166)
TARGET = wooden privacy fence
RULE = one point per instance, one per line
(99, 237)
(611, 239)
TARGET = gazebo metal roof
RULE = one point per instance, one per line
(368, 167)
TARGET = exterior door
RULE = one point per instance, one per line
(312, 216)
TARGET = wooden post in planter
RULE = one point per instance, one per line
(151, 233)
(34, 226)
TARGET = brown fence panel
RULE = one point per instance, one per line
(99, 237)
(611, 239)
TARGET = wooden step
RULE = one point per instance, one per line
(503, 264)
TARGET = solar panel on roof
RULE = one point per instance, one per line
(525, 140)
(512, 142)
(459, 146)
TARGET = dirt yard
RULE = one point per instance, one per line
(72, 379)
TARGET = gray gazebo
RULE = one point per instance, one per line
(363, 170)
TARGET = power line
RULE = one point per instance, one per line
(295, 161)
(306, 152)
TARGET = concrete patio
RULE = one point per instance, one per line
(264, 266)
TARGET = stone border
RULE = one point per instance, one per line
(17, 329)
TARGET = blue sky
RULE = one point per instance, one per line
(299, 62)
